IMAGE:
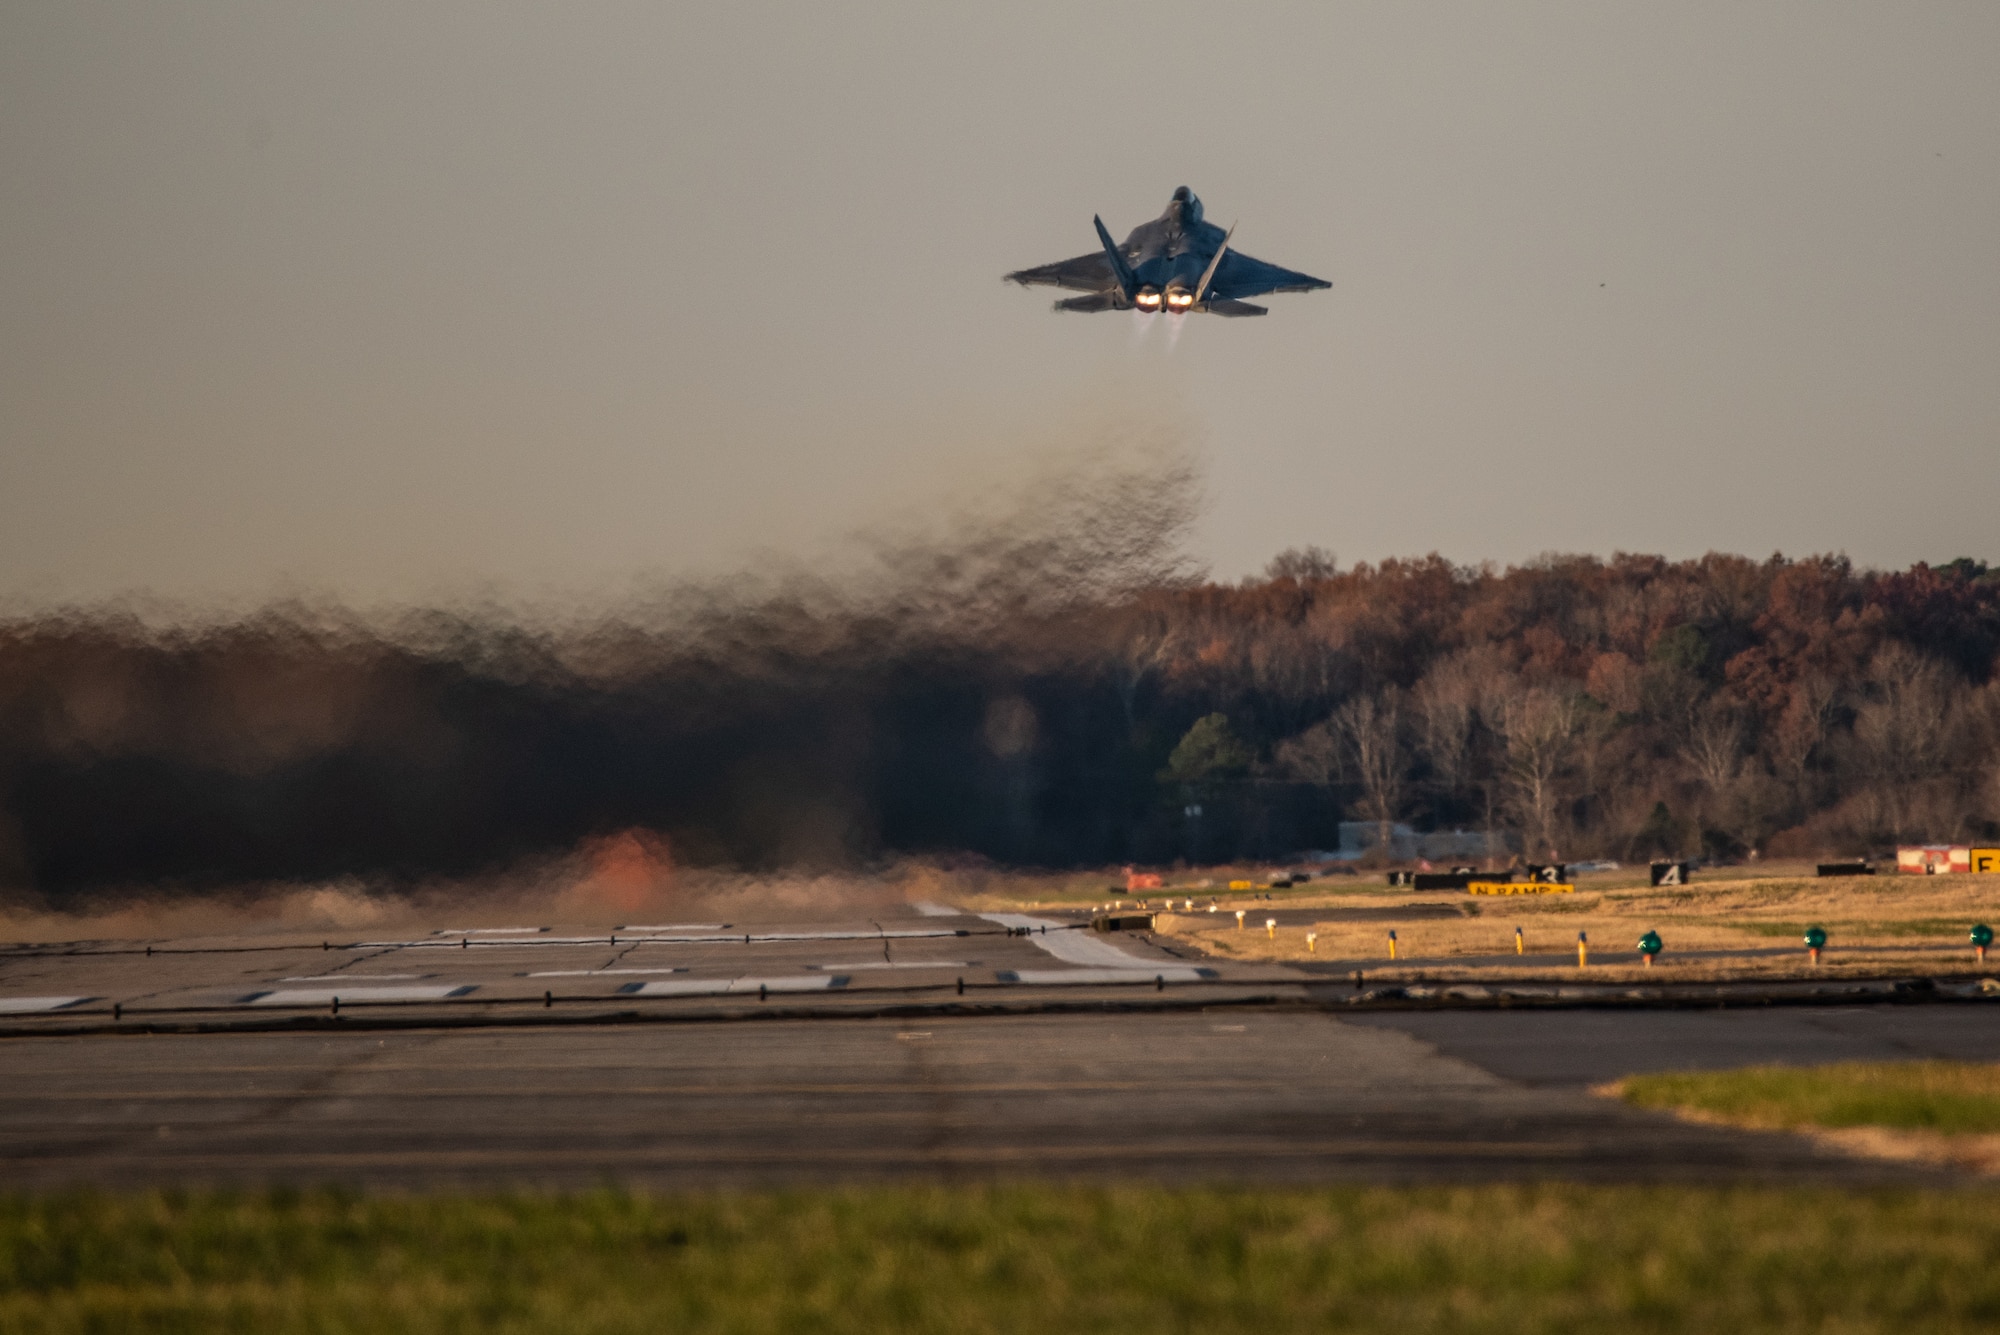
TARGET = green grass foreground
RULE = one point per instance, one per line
(1951, 1098)
(1045, 1259)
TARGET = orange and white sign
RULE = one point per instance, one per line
(1934, 859)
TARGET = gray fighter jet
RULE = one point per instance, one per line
(1174, 263)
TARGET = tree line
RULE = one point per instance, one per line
(1624, 707)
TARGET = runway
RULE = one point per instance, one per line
(903, 951)
(592, 1089)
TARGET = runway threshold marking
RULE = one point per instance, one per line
(699, 987)
(33, 1005)
(298, 996)
(600, 973)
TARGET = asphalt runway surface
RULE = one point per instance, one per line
(541, 1058)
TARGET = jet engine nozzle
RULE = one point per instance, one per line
(1147, 299)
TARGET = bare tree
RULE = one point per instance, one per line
(1712, 746)
(1903, 731)
(1370, 728)
(1539, 728)
(1801, 728)
(1313, 756)
(1302, 564)
(1447, 709)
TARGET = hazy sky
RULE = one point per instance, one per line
(394, 300)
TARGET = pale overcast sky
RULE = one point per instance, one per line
(401, 299)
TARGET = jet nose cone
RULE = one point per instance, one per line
(1183, 195)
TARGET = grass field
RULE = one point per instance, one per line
(1949, 1098)
(1946, 1114)
(1876, 925)
(1008, 1258)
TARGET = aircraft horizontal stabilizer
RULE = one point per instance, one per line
(1096, 301)
(1223, 306)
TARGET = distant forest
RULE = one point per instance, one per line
(1620, 708)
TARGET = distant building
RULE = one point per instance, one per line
(1930, 859)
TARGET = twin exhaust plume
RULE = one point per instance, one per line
(1176, 263)
(1176, 297)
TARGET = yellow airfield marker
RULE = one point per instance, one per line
(1392, 943)
(1582, 950)
(1312, 943)
(1520, 945)
(1271, 928)
(1239, 920)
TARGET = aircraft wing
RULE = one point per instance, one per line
(1241, 276)
(1085, 273)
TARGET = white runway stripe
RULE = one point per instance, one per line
(29, 1005)
(675, 927)
(697, 987)
(305, 996)
(487, 931)
(1071, 946)
(1178, 973)
(599, 973)
(361, 978)
(891, 964)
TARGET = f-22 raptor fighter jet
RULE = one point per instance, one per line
(1174, 263)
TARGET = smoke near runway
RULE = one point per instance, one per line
(1037, 677)
(788, 718)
